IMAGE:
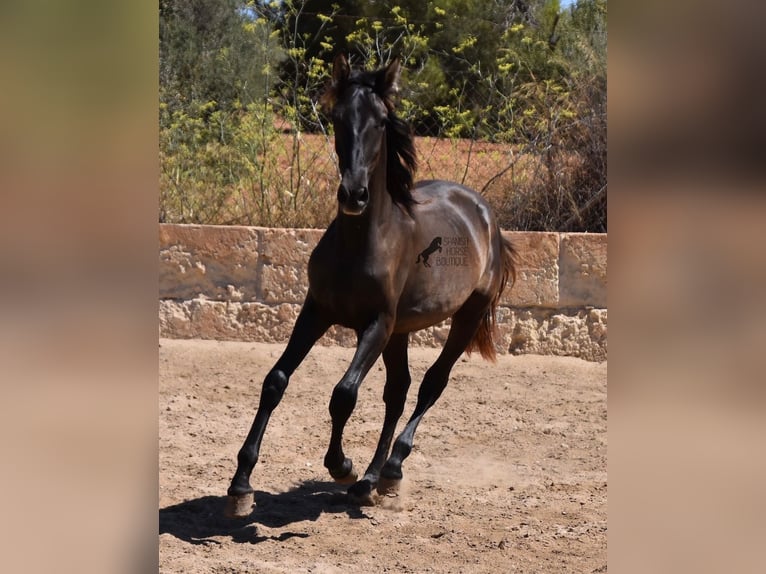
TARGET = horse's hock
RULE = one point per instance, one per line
(248, 283)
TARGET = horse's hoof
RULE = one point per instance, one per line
(349, 478)
(345, 474)
(389, 486)
(361, 493)
(239, 506)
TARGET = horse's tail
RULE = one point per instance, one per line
(418, 259)
(484, 339)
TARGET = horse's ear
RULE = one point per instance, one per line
(390, 77)
(340, 69)
(340, 73)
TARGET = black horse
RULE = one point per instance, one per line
(362, 275)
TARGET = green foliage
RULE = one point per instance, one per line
(211, 51)
(242, 139)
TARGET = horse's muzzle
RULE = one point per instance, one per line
(353, 201)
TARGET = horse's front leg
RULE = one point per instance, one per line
(308, 328)
(371, 342)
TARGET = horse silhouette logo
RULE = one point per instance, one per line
(436, 245)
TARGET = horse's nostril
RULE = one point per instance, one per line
(353, 199)
(359, 194)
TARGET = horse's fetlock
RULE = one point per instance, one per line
(240, 486)
(391, 471)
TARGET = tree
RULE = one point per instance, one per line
(213, 51)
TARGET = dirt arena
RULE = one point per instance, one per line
(508, 472)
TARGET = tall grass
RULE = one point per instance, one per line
(251, 173)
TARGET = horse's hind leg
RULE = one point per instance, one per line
(464, 326)
(308, 328)
(394, 396)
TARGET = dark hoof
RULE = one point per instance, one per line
(389, 486)
(345, 474)
(361, 493)
(240, 505)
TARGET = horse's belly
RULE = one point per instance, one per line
(426, 307)
(415, 322)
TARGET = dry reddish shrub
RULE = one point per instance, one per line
(296, 184)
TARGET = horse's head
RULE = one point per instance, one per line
(360, 107)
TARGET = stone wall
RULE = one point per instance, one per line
(248, 283)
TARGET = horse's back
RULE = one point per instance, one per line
(449, 208)
(441, 198)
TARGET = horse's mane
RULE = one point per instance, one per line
(401, 160)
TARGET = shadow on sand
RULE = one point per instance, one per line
(198, 521)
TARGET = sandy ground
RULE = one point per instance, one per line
(508, 472)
